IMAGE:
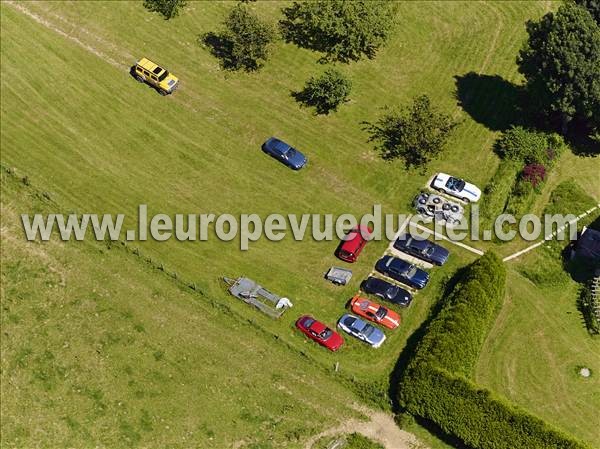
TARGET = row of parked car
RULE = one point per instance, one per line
(364, 311)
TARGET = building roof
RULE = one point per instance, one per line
(588, 244)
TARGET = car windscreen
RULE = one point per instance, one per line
(326, 334)
(411, 271)
(290, 153)
(391, 292)
(163, 76)
(455, 184)
(381, 313)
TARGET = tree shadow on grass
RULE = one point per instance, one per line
(220, 46)
(581, 143)
(490, 100)
(305, 100)
(497, 104)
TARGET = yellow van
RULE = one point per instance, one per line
(147, 71)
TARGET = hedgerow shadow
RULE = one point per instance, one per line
(406, 355)
(412, 342)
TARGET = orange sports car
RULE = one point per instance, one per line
(374, 312)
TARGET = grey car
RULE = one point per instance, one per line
(361, 330)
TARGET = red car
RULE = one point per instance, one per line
(353, 244)
(317, 331)
(374, 312)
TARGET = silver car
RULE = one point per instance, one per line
(361, 330)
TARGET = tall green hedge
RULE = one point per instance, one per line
(477, 416)
(436, 385)
(454, 338)
(498, 191)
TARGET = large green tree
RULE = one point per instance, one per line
(250, 38)
(593, 6)
(343, 30)
(561, 63)
(325, 92)
(245, 42)
(168, 8)
(417, 133)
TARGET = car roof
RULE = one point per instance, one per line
(317, 326)
(278, 143)
(419, 244)
(359, 324)
(376, 282)
(150, 66)
(396, 261)
(356, 239)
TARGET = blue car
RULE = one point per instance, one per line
(402, 271)
(386, 291)
(284, 153)
(362, 330)
(422, 248)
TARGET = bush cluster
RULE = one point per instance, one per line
(325, 92)
(589, 307)
(248, 38)
(535, 153)
(417, 133)
(529, 146)
(436, 383)
(167, 8)
(498, 190)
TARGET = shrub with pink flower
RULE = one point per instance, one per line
(534, 173)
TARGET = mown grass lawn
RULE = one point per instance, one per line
(82, 129)
(538, 345)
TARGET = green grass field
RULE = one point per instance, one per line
(80, 128)
(100, 348)
(534, 353)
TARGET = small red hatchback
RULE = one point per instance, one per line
(317, 331)
(353, 244)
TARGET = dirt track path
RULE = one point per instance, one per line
(21, 7)
(380, 427)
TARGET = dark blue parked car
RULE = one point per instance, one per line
(284, 153)
(402, 271)
(386, 291)
(422, 248)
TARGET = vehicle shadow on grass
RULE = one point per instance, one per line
(134, 76)
(397, 374)
(490, 100)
